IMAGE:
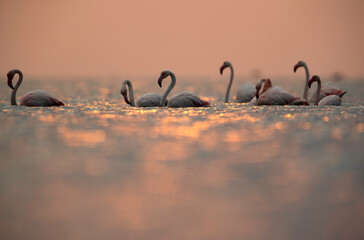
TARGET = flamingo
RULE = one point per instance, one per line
(35, 98)
(276, 96)
(259, 90)
(331, 100)
(325, 91)
(246, 91)
(146, 100)
(182, 99)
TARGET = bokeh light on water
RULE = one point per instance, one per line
(98, 169)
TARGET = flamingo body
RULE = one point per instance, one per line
(39, 98)
(36, 98)
(299, 101)
(186, 99)
(328, 91)
(253, 101)
(331, 100)
(325, 91)
(275, 96)
(149, 100)
(246, 93)
(182, 99)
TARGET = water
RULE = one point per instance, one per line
(98, 169)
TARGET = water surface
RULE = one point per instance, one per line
(99, 169)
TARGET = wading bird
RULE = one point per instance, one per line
(146, 100)
(276, 96)
(182, 99)
(36, 98)
(325, 91)
(246, 91)
(331, 100)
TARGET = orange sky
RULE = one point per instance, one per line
(117, 37)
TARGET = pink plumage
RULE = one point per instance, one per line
(277, 96)
(327, 90)
(330, 100)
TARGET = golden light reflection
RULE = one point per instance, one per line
(232, 137)
(326, 118)
(250, 118)
(337, 133)
(77, 138)
(185, 131)
(360, 127)
(47, 118)
(279, 125)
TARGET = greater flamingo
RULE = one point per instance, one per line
(36, 98)
(277, 96)
(259, 90)
(146, 100)
(182, 99)
(325, 91)
(246, 91)
(331, 100)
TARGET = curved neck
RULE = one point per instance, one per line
(230, 83)
(258, 86)
(318, 91)
(169, 89)
(13, 93)
(305, 91)
(267, 85)
(131, 92)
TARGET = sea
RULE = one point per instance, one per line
(98, 168)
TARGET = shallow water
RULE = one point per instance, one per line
(98, 169)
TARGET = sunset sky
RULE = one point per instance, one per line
(117, 37)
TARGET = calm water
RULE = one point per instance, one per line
(98, 169)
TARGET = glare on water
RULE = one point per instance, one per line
(99, 169)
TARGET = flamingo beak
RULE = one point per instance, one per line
(10, 82)
(310, 82)
(160, 79)
(222, 68)
(296, 67)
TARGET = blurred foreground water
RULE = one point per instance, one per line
(99, 169)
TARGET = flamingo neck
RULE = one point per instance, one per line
(258, 86)
(267, 85)
(131, 92)
(305, 91)
(13, 92)
(169, 89)
(230, 83)
(318, 91)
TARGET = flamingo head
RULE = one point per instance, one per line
(259, 86)
(11, 75)
(224, 65)
(298, 65)
(163, 75)
(124, 92)
(314, 79)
